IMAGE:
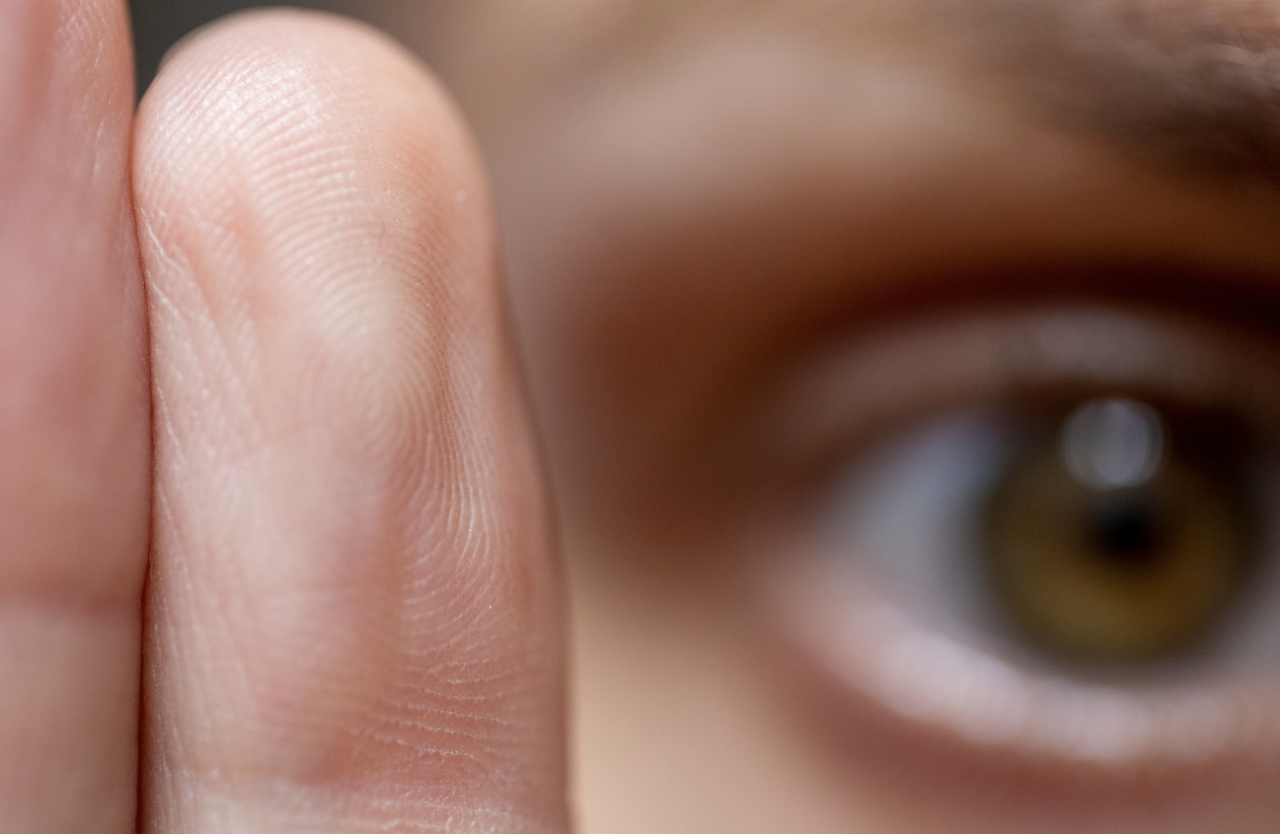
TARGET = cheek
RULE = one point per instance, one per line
(681, 721)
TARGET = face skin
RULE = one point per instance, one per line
(748, 248)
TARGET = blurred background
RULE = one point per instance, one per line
(158, 23)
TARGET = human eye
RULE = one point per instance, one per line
(1041, 540)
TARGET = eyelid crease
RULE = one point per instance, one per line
(859, 388)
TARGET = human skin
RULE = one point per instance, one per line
(264, 320)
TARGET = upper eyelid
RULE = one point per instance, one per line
(808, 401)
(872, 382)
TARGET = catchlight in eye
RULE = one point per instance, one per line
(1113, 443)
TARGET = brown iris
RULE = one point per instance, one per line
(1125, 534)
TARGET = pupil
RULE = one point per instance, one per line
(1127, 534)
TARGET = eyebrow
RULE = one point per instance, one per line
(1192, 84)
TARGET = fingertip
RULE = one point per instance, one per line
(342, 456)
(288, 80)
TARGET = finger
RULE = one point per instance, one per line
(352, 621)
(74, 435)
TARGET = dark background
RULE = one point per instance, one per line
(158, 23)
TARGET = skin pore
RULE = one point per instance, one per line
(743, 256)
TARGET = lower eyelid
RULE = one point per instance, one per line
(922, 712)
(926, 677)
